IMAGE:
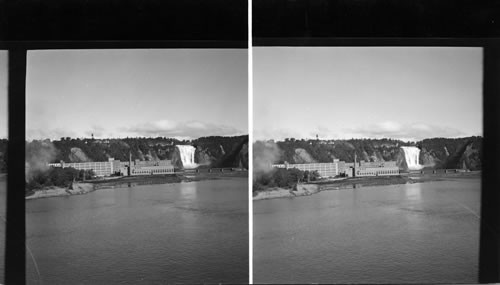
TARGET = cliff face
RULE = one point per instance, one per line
(77, 155)
(452, 153)
(202, 157)
(176, 159)
(302, 156)
(243, 157)
(435, 153)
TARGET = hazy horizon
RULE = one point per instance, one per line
(176, 93)
(364, 138)
(133, 137)
(405, 93)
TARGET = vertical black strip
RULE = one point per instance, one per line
(489, 263)
(15, 229)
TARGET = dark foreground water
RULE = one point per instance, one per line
(425, 232)
(185, 232)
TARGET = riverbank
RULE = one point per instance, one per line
(273, 193)
(78, 189)
(131, 181)
(358, 182)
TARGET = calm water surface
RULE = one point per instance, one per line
(424, 232)
(185, 232)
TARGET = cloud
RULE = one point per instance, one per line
(403, 131)
(190, 129)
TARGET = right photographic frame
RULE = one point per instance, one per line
(367, 163)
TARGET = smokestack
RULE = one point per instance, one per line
(129, 163)
(354, 170)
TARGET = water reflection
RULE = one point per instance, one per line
(414, 192)
(384, 234)
(188, 190)
(156, 234)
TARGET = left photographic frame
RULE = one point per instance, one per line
(136, 166)
(3, 155)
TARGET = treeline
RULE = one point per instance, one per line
(325, 151)
(451, 150)
(56, 176)
(100, 150)
(283, 178)
(160, 148)
(228, 151)
(447, 151)
(218, 146)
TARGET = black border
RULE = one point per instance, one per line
(375, 18)
(124, 20)
(15, 250)
(153, 44)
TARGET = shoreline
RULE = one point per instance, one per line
(277, 192)
(130, 181)
(54, 191)
(353, 183)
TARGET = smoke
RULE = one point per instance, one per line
(265, 153)
(38, 154)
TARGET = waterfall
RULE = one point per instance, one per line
(411, 156)
(187, 155)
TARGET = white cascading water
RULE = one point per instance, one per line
(411, 156)
(187, 155)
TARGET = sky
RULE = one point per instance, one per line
(178, 93)
(3, 94)
(407, 93)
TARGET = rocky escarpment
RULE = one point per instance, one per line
(302, 156)
(77, 155)
(452, 153)
(243, 156)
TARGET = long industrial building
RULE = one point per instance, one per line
(337, 167)
(124, 168)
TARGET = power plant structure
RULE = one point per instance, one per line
(349, 169)
(123, 168)
(135, 167)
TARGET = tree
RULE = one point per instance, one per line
(296, 175)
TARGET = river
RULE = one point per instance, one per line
(423, 232)
(189, 232)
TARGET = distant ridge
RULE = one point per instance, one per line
(208, 149)
(463, 152)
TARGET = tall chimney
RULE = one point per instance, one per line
(354, 170)
(129, 163)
